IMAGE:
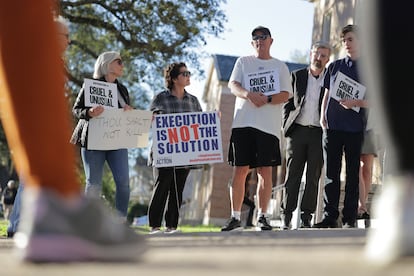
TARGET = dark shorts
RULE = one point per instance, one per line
(254, 148)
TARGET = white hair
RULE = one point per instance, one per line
(102, 63)
(62, 20)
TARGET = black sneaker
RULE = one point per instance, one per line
(305, 224)
(232, 224)
(347, 225)
(286, 218)
(364, 215)
(262, 224)
(325, 224)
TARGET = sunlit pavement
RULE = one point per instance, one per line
(295, 252)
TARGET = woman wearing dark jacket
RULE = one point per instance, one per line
(108, 67)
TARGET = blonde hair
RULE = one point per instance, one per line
(102, 63)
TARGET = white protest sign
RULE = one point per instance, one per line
(346, 88)
(116, 129)
(191, 138)
(100, 93)
(266, 82)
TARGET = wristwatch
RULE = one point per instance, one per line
(269, 99)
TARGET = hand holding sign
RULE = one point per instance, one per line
(191, 138)
(96, 111)
(346, 88)
(100, 93)
(265, 82)
(116, 129)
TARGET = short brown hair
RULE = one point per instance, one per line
(349, 28)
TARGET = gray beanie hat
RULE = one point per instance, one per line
(102, 62)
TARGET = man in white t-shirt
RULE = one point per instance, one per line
(261, 84)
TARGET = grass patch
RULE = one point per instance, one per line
(141, 229)
(184, 228)
(3, 227)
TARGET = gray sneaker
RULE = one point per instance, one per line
(52, 230)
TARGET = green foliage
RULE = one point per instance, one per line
(148, 33)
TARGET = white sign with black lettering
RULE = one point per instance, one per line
(266, 82)
(100, 93)
(345, 88)
(117, 129)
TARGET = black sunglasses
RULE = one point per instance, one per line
(185, 73)
(260, 37)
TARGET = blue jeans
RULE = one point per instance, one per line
(93, 164)
(15, 213)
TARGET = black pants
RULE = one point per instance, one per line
(250, 203)
(303, 147)
(167, 193)
(337, 143)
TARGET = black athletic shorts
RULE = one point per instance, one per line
(250, 146)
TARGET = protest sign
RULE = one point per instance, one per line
(266, 82)
(100, 93)
(191, 138)
(346, 88)
(116, 129)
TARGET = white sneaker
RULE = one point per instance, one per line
(393, 237)
(155, 230)
(172, 231)
(51, 230)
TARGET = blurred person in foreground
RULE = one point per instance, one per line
(384, 28)
(62, 26)
(58, 224)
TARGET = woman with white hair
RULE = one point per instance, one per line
(108, 67)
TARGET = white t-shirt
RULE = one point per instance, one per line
(269, 76)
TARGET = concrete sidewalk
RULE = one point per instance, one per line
(296, 252)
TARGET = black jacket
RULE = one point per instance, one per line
(80, 111)
(292, 108)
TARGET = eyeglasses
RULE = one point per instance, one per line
(185, 73)
(319, 54)
(260, 37)
(119, 61)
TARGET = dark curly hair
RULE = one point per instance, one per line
(171, 72)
